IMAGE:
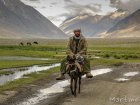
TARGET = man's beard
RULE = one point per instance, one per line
(77, 37)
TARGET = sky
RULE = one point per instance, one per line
(59, 10)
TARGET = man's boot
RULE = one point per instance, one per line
(60, 77)
(89, 75)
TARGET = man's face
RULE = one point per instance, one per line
(77, 33)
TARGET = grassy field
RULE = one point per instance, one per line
(112, 52)
(6, 72)
(23, 63)
(28, 51)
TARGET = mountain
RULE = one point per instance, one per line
(85, 22)
(92, 26)
(127, 27)
(18, 20)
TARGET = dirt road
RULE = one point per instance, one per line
(118, 87)
(106, 90)
(100, 92)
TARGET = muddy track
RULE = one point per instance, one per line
(103, 89)
(28, 91)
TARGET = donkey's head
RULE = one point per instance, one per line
(71, 67)
(71, 59)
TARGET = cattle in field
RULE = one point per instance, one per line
(21, 44)
(35, 42)
(29, 44)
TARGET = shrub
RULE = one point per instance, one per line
(106, 56)
(116, 56)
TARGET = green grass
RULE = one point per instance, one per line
(116, 52)
(20, 63)
(27, 53)
(113, 52)
(104, 62)
(30, 51)
(111, 62)
(6, 72)
(110, 50)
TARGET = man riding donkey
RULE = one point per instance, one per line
(77, 46)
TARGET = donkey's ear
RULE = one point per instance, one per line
(74, 57)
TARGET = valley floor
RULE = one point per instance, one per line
(121, 55)
(118, 87)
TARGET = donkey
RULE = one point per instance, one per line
(74, 69)
(29, 43)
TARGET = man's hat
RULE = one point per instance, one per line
(77, 30)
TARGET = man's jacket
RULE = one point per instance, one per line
(82, 46)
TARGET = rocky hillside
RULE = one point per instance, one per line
(18, 20)
(92, 26)
(127, 27)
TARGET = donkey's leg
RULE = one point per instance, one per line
(75, 86)
(71, 85)
(79, 90)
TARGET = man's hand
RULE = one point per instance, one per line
(72, 55)
(77, 55)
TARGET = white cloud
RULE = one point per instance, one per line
(130, 5)
(59, 10)
(75, 9)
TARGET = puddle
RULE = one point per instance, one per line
(21, 58)
(121, 79)
(58, 87)
(19, 74)
(100, 71)
(131, 74)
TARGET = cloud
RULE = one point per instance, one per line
(130, 5)
(70, 1)
(54, 3)
(75, 9)
(43, 7)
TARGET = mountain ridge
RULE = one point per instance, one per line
(92, 26)
(24, 21)
(127, 27)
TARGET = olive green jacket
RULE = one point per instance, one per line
(82, 46)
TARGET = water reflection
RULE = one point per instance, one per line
(19, 74)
